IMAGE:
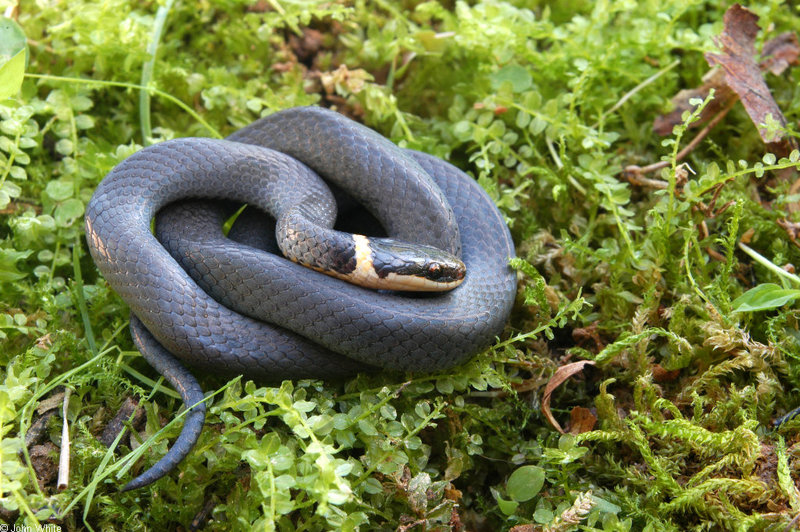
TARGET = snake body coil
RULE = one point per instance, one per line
(289, 321)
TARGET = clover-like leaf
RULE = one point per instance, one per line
(519, 77)
(525, 483)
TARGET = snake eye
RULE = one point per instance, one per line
(434, 269)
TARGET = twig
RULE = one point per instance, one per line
(704, 229)
(792, 524)
(633, 175)
(47, 48)
(63, 461)
(716, 255)
(635, 172)
(792, 229)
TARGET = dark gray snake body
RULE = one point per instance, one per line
(325, 327)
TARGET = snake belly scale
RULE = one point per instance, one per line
(228, 307)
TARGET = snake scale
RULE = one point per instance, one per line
(223, 306)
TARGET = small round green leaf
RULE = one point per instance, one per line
(66, 213)
(525, 483)
(507, 507)
(543, 515)
(5, 199)
(59, 190)
(17, 172)
(518, 76)
(64, 147)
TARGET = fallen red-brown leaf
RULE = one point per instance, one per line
(562, 374)
(739, 76)
(581, 420)
(743, 74)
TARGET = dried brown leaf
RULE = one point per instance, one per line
(562, 374)
(117, 424)
(307, 46)
(742, 73)
(43, 463)
(662, 375)
(525, 528)
(738, 60)
(51, 403)
(780, 52)
(581, 420)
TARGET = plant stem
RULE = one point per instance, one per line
(153, 90)
(768, 264)
(147, 72)
(84, 311)
(627, 96)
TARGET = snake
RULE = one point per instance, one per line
(231, 304)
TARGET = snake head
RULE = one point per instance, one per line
(401, 265)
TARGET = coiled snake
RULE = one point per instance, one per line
(289, 321)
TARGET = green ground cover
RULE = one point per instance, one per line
(546, 104)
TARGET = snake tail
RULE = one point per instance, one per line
(191, 394)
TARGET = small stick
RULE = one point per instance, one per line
(63, 462)
(633, 174)
(704, 228)
(716, 255)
